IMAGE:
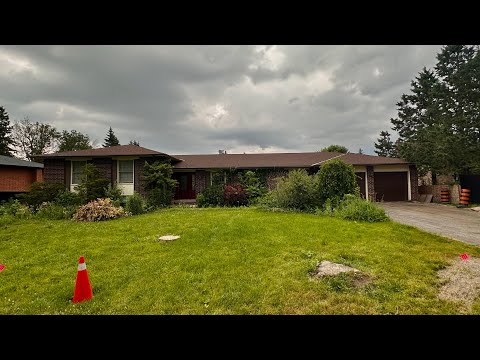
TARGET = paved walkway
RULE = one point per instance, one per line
(450, 221)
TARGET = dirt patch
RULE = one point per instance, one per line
(329, 270)
(462, 281)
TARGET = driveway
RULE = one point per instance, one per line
(449, 221)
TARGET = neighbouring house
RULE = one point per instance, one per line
(16, 176)
(379, 178)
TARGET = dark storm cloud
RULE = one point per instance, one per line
(197, 99)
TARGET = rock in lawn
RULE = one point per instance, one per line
(327, 268)
(169, 237)
(476, 208)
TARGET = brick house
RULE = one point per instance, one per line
(390, 179)
(17, 175)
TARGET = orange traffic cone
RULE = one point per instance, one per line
(83, 290)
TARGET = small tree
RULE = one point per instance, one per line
(159, 183)
(335, 148)
(111, 139)
(295, 191)
(335, 179)
(384, 146)
(34, 138)
(134, 142)
(73, 140)
(6, 140)
(93, 184)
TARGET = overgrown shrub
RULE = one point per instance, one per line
(295, 191)
(357, 209)
(41, 192)
(53, 211)
(135, 204)
(335, 179)
(93, 184)
(211, 196)
(15, 208)
(235, 195)
(159, 184)
(253, 185)
(158, 198)
(68, 199)
(98, 210)
(114, 192)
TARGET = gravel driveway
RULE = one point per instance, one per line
(449, 221)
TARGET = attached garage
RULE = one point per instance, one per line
(391, 186)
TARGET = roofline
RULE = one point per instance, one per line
(54, 156)
(35, 165)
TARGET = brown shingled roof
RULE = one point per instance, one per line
(127, 150)
(279, 160)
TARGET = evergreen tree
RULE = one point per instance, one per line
(134, 142)
(6, 140)
(73, 140)
(111, 139)
(384, 146)
(335, 148)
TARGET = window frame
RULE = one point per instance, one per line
(71, 169)
(133, 172)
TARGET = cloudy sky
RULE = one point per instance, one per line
(198, 99)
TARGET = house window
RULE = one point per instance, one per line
(125, 171)
(77, 171)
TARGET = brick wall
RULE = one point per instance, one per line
(54, 171)
(139, 185)
(202, 180)
(414, 182)
(435, 190)
(18, 179)
(371, 183)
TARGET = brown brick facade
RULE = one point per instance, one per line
(54, 171)
(202, 180)
(139, 185)
(414, 182)
(18, 179)
(371, 183)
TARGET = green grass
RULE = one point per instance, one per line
(227, 261)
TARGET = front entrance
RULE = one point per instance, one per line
(185, 186)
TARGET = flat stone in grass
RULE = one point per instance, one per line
(476, 208)
(328, 268)
(169, 237)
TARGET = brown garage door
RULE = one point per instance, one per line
(360, 176)
(391, 186)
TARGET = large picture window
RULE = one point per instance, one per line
(125, 171)
(77, 171)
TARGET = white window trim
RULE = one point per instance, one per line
(133, 172)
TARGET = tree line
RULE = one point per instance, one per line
(25, 139)
(438, 122)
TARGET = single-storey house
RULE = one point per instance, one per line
(17, 175)
(390, 179)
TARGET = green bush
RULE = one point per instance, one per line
(41, 192)
(98, 210)
(253, 185)
(114, 192)
(93, 184)
(158, 198)
(335, 179)
(53, 211)
(159, 184)
(357, 209)
(135, 204)
(13, 207)
(295, 191)
(68, 199)
(211, 196)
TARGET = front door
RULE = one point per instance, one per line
(185, 186)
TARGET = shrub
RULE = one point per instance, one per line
(13, 207)
(135, 204)
(211, 196)
(159, 198)
(114, 192)
(335, 179)
(41, 192)
(68, 199)
(159, 184)
(235, 195)
(98, 210)
(357, 209)
(254, 187)
(93, 184)
(53, 211)
(295, 191)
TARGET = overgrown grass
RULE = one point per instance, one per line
(227, 261)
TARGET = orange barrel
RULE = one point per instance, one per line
(465, 197)
(444, 196)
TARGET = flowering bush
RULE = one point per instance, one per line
(98, 210)
(235, 195)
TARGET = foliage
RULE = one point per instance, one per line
(41, 192)
(15, 208)
(295, 191)
(234, 195)
(73, 140)
(384, 146)
(335, 148)
(93, 184)
(135, 204)
(354, 208)
(159, 184)
(34, 138)
(98, 210)
(114, 192)
(335, 179)
(111, 139)
(6, 140)
(68, 199)
(211, 196)
(53, 211)
(438, 122)
(134, 142)
(252, 184)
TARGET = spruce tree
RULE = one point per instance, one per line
(111, 139)
(6, 140)
(384, 146)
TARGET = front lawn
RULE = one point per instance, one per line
(227, 261)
